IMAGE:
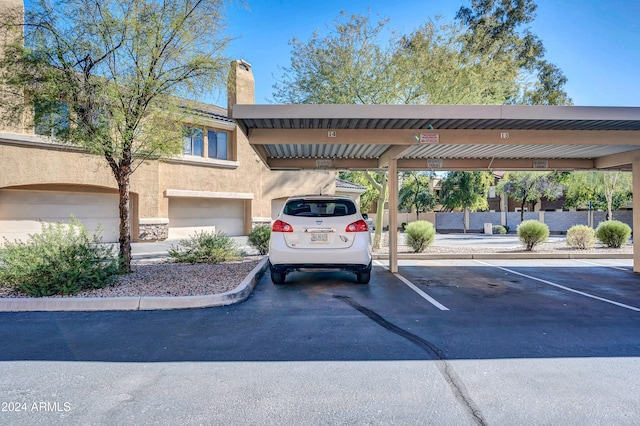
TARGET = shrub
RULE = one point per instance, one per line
(259, 238)
(531, 233)
(420, 235)
(205, 247)
(613, 233)
(499, 229)
(581, 236)
(63, 259)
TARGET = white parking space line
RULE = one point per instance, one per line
(413, 287)
(603, 266)
(582, 293)
(424, 295)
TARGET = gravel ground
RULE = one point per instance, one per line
(160, 278)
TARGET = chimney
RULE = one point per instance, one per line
(241, 86)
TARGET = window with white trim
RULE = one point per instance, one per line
(193, 141)
(208, 143)
(217, 144)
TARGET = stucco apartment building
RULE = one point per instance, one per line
(218, 183)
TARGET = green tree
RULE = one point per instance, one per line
(480, 59)
(351, 64)
(466, 190)
(529, 187)
(376, 182)
(440, 70)
(379, 181)
(366, 198)
(606, 190)
(496, 31)
(117, 67)
(416, 192)
(355, 64)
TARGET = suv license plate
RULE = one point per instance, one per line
(319, 238)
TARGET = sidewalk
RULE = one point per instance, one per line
(454, 247)
(160, 249)
(509, 246)
(483, 240)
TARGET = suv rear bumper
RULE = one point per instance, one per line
(287, 267)
(359, 253)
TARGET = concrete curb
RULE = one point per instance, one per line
(453, 256)
(239, 294)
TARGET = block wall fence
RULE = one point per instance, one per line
(558, 222)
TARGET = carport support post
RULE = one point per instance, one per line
(393, 215)
(636, 216)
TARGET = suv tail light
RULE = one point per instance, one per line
(359, 226)
(280, 226)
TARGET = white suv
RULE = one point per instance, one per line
(320, 232)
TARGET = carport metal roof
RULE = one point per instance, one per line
(442, 137)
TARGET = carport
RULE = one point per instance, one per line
(445, 137)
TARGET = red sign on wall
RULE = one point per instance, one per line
(429, 137)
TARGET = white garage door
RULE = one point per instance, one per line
(21, 211)
(188, 215)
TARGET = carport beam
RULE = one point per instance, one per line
(393, 215)
(636, 215)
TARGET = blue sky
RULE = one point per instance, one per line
(595, 43)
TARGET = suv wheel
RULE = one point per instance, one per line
(364, 277)
(278, 277)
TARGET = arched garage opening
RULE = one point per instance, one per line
(445, 137)
(23, 208)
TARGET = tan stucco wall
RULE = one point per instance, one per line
(49, 168)
(279, 184)
(355, 195)
(67, 170)
(240, 85)
(31, 162)
(28, 165)
(250, 177)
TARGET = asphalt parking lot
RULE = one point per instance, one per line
(477, 309)
(444, 342)
(526, 284)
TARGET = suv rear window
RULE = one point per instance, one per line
(319, 208)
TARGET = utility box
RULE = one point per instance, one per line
(488, 228)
